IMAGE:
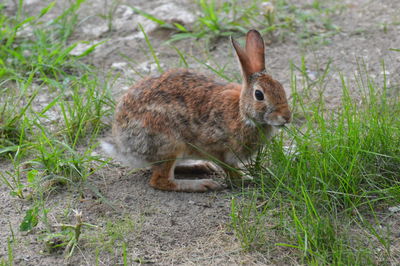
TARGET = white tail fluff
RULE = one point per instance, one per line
(109, 148)
(128, 159)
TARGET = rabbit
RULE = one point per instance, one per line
(183, 115)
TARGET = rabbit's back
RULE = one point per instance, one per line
(163, 114)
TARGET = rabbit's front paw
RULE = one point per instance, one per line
(196, 166)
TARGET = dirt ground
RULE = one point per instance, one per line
(167, 228)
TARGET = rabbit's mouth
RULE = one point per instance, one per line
(278, 122)
(277, 119)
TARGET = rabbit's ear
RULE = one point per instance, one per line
(255, 51)
(243, 59)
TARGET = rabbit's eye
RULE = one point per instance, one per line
(259, 95)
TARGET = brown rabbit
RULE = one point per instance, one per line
(183, 114)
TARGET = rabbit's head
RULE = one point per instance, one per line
(263, 99)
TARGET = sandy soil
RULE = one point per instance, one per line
(183, 228)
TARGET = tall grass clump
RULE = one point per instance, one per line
(320, 186)
(52, 108)
(215, 20)
(30, 46)
(13, 122)
(52, 105)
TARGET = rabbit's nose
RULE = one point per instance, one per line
(287, 116)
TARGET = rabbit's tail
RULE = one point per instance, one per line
(109, 147)
(128, 159)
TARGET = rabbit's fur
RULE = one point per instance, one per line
(184, 114)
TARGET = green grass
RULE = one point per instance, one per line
(9, 261)
(216, 20)
(47, 140)
(311, 23)
(323, 184)
(278, 20)
(114, 237)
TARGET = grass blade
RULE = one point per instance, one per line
(153, 53)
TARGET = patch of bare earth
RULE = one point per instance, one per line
(186, 228)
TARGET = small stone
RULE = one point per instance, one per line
(170, 13)
(119, 66)
(31, 2)
(124, 18)
(95, 31)
(148, 67)
(312, 75)
(394, 209)
(124, 12)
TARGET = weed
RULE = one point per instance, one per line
(124, 254)
(65, 24)
(109, 12)
(68, 238)
(10, 253)
(38, 55)
(247, 223)
(13, 122)
(115, 235)
(83, 110)
(14, 180)
(311, 23)
(30, 220)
